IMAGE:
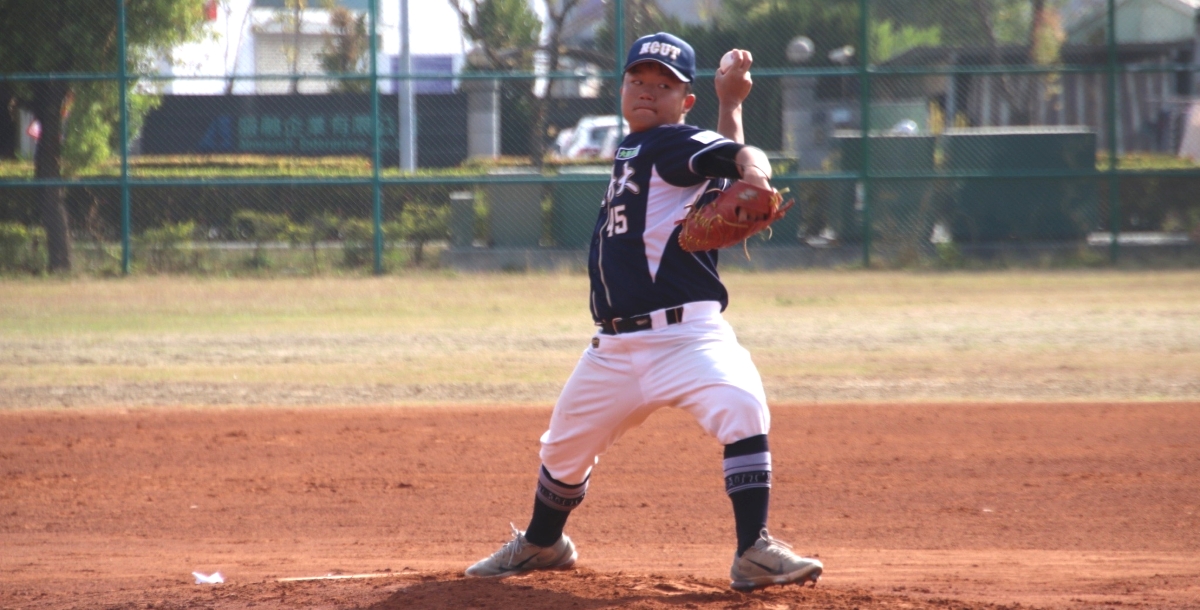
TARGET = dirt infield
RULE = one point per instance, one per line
(910, 506)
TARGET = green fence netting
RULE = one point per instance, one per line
(292, 136)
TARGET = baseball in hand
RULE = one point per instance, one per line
(726, 62)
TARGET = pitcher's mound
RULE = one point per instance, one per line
(559, 590)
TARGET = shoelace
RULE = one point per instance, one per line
(512, 548)
(774, 544)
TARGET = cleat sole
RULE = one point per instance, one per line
(801, 578)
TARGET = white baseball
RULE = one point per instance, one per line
(726, 61)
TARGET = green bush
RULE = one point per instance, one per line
(320, 227)
(22, 248)
(421, 223)
(261, 228)
(358, 242)
(164, 247)
(948, 255)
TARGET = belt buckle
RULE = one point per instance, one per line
(674, 315)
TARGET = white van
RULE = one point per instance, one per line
(593, 137)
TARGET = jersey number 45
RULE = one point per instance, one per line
(616, 220)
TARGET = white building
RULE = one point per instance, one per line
(256, 37)
(1137, 21)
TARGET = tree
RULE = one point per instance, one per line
(291, 21)
(77, 36)
(641, 17)
(421, 223)
(345, 48)
(233, 45)
(8, 123)
(1046, 39)
(504, 31)
(765, 27)
(557, 13)
(1036, 26)
(506, 34)
(888, 40)
(92, 131)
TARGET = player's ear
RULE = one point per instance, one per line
(688, 102)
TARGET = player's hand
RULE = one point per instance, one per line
(757, 177)
(754, 166)
(733, 82)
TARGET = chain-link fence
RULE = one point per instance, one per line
(244, 135)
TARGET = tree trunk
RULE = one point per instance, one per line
(1029, 93)
(49, 98)
(297, 24)
(8, 124)
(537, 140)
(1038, 14)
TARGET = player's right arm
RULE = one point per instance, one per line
(754, 167)
(733, 86)
(734, 161)
(687, 156)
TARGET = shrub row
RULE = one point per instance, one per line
(22, 248)
(1148, 203)
(186, 247)
(97, 210)
(179, 246)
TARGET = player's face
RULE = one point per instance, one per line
(651, 95)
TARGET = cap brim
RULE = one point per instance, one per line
(673, 70)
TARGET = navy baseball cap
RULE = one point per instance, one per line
(666, 49)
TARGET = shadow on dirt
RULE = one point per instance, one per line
(587, 590)
(577, 589)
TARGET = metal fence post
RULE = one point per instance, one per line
(376, 189)
(619, 50)
(407, 142)
(123, 83)
(864, 98)
(1114, 196)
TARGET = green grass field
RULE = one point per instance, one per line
(502, 338)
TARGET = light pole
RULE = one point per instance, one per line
(407, 142)
(799, 97)
(842, 56)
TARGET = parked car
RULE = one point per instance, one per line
(593, 137)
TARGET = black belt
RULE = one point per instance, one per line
(632, 324)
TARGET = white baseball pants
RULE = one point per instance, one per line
(696, 365)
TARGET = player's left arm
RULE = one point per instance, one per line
(733, 84)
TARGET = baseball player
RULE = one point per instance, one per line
(662, 341)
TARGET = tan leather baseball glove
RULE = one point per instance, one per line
(737, 213)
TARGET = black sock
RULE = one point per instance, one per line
(552, 505)
(750, 515)
(546, 525)
(748, 483)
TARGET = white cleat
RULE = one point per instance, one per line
(772, 562)
(519, 555)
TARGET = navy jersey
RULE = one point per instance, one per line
(636, 265)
